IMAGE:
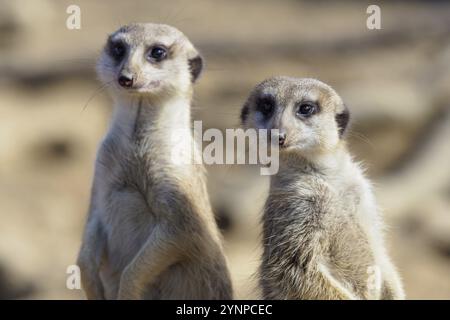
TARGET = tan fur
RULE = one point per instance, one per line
(322, 231)
(150, 231)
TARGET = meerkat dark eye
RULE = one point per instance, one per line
(266, 105)
(117, 50)
(306, 109)
(157, 53)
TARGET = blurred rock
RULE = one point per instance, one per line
(436, 225)
(13, 287)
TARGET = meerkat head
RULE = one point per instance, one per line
(309, 114)
(149, 59)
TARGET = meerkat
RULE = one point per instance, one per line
(150, 232)
(322, 231)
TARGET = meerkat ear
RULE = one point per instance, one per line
(195, 66)
(342, 120)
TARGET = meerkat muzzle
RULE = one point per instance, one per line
(126, 81)
(281, 138)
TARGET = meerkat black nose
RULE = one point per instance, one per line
(281, 138)
(126, 81)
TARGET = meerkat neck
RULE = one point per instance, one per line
(329, 162)
(138, 115)
(160, 126)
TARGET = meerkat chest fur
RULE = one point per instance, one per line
(317, 211)
(158, 134)
(149, 148)
(333, 180)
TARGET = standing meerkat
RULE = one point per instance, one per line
(322, 232)
(150, 232)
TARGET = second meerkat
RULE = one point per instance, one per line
(322, 231)
(151, 232)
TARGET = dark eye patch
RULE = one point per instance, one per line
(117, 50)
(266, 105)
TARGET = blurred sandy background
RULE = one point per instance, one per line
(396, 82)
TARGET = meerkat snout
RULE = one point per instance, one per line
(281, 138)
(309, 114)
(126, 80)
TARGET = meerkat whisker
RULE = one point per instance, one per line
(97, 91)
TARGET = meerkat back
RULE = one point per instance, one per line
(150, 231)
(322, 233)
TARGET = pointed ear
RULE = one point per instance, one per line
(195, 66)
(342, 120)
